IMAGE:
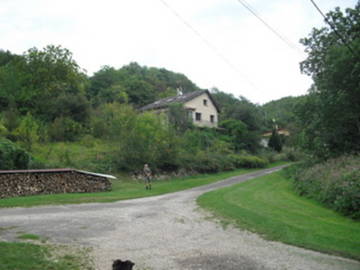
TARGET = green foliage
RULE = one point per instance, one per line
(330, 114)
(241, 110)
(282, 111)
(293, 154)
(12, 157)
(248, 161)
(3, 129)
(47, 101)
(65, 129)
(27, 132)
(178, 117)
(93, 155)
(6, 57)
(236, 132)
(335, 183)
(287, 154)
(11, 119)
(112, 121)
(145, 140)
(136, 84)
(275, 141)
(205, 162)
(36, 80)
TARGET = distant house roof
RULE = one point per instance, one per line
(280, 131)
(166, 102)
(63, 170)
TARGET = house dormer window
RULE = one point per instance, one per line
(205, 102)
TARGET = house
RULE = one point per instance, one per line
(266, 136)
(202, 108)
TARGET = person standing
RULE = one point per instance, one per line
(147, 174)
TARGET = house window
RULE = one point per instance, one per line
(198, 116)
(205, 102)
(190, 115)
(212, 118)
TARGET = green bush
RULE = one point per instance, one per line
(335, 183)
(206, 162)
(36, 163)
(12, 157)
(287, 154)
(293, 154)
(65, 129)
(248, 161)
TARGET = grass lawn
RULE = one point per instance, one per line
(28, 236)
(28, 256)
(124, 189)
(268, 206)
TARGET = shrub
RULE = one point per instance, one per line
(335, 183)
(27, 132)
(248, 161)
(12, 157)
(65, 129)
(275, 141)
(287, 154)
(293, 154)
(36, 163)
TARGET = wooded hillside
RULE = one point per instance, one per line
(47, 100)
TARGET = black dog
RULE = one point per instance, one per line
(120, 265)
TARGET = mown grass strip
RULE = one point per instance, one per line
(29, 236)
(268, 206)
(123, 190)
(26, 256)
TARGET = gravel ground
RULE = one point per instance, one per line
(163, 232)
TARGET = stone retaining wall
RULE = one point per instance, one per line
(16, 184)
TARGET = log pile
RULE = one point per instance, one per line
(16, 184)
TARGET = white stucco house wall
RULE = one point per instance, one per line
(201, 107)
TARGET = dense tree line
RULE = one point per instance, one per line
(330, 114)
(328, 117)
(46, 97)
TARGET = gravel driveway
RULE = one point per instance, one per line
(163, 232)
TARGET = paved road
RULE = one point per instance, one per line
(163, 232)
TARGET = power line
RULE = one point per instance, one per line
(207, 43)
(281, 37)
(335, 30)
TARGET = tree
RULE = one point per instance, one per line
(53, 72)
(138, 85)
(27, 132)
(237, 133)
(282, 110)
(12, 157)
(330, 114)
(100, 83)
(179, 117)
(38, 80)
(14, 83)
(275, 141)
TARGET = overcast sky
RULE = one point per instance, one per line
(215, 43)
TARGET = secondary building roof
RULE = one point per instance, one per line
(166, 102)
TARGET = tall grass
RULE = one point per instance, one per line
(335, 183)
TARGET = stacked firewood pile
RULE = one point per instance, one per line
(30, 183)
